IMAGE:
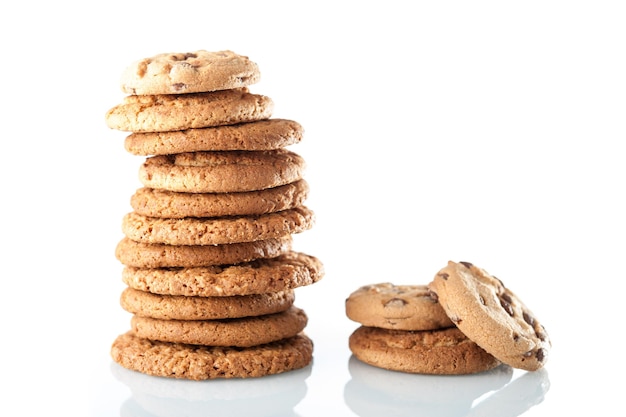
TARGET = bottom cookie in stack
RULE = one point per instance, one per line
(404, 329)
(232, 317)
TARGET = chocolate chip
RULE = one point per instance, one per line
(507, 307)
(528, 318)
(540, 355)
(433, 296)
(443, 275)
(395, 302)
(456, 320)
(466, 264)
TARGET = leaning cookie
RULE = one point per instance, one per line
(491, 315)
(182, 361)
(172, 307)
(401, 307)
(222, 172)
(189, 72)
(253, 136)
(240, 332)
(217, 231)
(164, 113)
(437, 352)
(284, 272)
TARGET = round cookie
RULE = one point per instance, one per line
(491, 315)
(216, 231)
(438, 352)
(171, 204)
(164, 113)
(189, 72)
(240, 332)
(145, 255)
(222, 172)
(284, 272)
(401, 307)
(253, 136)
(178, 307)
(182, 361)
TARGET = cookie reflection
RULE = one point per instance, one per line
(373, 391)
(271, 395)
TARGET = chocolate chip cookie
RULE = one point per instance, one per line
(491, 315)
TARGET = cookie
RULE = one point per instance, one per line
(254, 136)
(240, 332)
(177, 307)
(438, 352)
(402, 307)
(491, 315)
(171, 204)
(287, 271)
(189, 72)
(164, 113)
(145, 255)
(216, 231)
(182, 361)
(222, 172)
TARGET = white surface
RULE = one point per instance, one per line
(488, 132)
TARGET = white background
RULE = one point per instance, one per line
(480, 131)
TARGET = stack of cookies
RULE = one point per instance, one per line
(207, 248)
(465, 321)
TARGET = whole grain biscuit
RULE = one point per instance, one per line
(439, 352)
(253, 136)
(222, 171)
(216, 231)
(173, 360)
(189, 72)
(287, 271)
(164, 113)
(391, 306)
(146, 255)
(171, 204)
(178, 307)
(240, 332)
(491, 315)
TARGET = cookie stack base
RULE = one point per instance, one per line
(183, 361)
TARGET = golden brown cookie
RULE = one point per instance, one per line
(222, 172)
(491, 315)
(146, 255)
(182, 361)
(240, 332)
(402, 307)
(164, 113)
(189, 72)
(254, 136)
(217, 231)
(178, 307)
(162, 203)
(442, 352)
(287, 271)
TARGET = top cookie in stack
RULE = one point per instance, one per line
(207, 250)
